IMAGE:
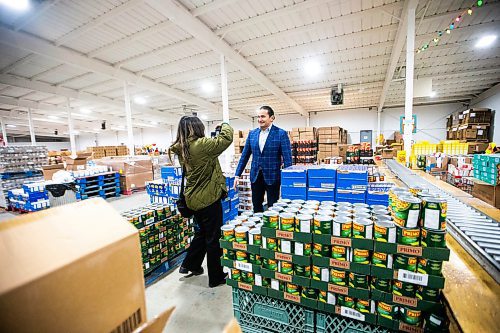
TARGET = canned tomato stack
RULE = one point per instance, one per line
(163, 235)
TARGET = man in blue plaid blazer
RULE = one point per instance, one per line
(270, 149)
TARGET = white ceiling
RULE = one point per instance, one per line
(166, 50)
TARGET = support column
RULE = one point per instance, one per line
(379, 115)
(410, 58)
(4, 133)
(71, 129)
(229, 153)
(308, 119)
(128, 115)
(32, 128)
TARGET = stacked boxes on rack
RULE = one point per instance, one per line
(105, 151)
(332, 143)
(163, 233)
(469, 125)
(378, 265)
(304, 145)
(245, 192)
(31, 197)
(20, 164)
(104, 185)
(239, 140)
(352, 183)
(231, 203)
(487, 168)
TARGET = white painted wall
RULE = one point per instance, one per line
(492, 102)
(49, 145)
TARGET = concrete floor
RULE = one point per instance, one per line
(198, 307)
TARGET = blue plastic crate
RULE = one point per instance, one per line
(321, 194)
(294, 176)
(171, 173)
(289, 192)
(321, 177)
(377, 196)
(350, 196)
(263, 314)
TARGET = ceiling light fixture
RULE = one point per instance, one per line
(154, 122)
(20, 5)
(432, 94)
(486, 41)
(207, 87)
(203, 117)
(85, 110)
(11, 126)
(140, 100)
(312, 68)
(53, 117)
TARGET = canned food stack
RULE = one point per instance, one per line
(163, 233)
(31, 197)
(341, 258)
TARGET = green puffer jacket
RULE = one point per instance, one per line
(205, 182)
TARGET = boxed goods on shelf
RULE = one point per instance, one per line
(379, 264)
(31, 197)
(163, 233)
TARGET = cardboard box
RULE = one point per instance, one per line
(49, 170)
(83, 273)
(486, 192)
(128, 165)
(129, 182)
(477, 147)
(388, 153)
(77, 163)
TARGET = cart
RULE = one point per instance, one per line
(62, 193)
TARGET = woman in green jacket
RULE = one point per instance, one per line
(204, 188)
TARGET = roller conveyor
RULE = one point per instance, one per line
(476, 232)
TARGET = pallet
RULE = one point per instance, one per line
(164, 269)
(135, 190)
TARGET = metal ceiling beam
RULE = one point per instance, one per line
(107, 16)
(211, 6)
(181, 16)
(18, 63)
(42, 73)
(74, 94)
(495, 90)
(37, 45)
(33, 14)
(396, 50)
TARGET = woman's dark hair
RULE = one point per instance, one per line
(189, 127)
(269, 110)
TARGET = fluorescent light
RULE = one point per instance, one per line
(312, 68)
(203, 117)
(140, 100)
(85, 110)
(20, 5)
(11, 126)
(154, 122)
(486, 41)
(53, 117)
(207, 87)
(432, 94)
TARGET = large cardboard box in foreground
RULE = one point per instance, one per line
(73, 268)
(486, 192)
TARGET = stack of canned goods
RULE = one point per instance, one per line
(162, 234)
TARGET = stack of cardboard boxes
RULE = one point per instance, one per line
(470, 125)
(134, 171)
(239, 139)
(105, 151)
(332, 143)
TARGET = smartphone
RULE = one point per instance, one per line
(217, 132)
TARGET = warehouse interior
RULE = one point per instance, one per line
(82, 79)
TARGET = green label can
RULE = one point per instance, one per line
(433, 238)
(389, 311)
(302, 249)
(235, 274)
(266, 282)
(430, 267)
(270, 219)
(340, 278)
(410, 316)
(304, 223)
(345, 301)
(309, 293)
(428, 294)
(270, 264)
(381, 284)
(250, 278)
(254, 259)
(287, 222)
(361, 256)
(285, 267)
(323, 225)
(407, 236)
(241, 256)
(229, 254)
(384, 231)
(358, 280)
(381, 259)
(362, 228)
(320, 273)
(254, 237)
(407, 211)
(342, 227)
(241, 235)
(341, 253)
(304, 271)
(322, 296)
(402, 261)
(434, 213)
(292, 288)
(401, 288)
(321, 250)
(227, 232)
(271, 244)
(365, 306)
(244, 276)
